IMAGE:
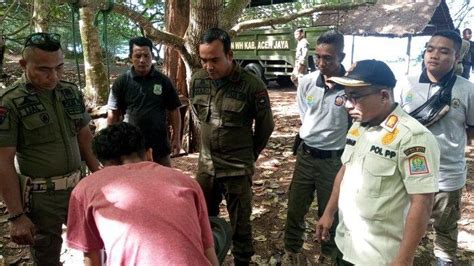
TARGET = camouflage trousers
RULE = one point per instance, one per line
(48, 214)
(237, 191)
(446, 213)
(310, 175)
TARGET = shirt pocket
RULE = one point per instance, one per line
(376, 193)
(75, 123)
(378, 172)
(233, 113)
(38, 129)
(201, 106)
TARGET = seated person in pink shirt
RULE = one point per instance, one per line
(140, 212)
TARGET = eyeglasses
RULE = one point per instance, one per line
(355, 98)
(43, 39)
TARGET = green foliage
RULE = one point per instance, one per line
(17, 25)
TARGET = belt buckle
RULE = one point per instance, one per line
(60, 184)
(73, 179)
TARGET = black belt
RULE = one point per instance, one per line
(321, 154)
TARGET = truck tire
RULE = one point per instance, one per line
(256, 69)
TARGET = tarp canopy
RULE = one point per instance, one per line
(396, 18)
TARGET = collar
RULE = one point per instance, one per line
(320, 82)
(235, 73)
(425, 79)
(29, 88)
(391, 121)
(152, 74)
(233, 77)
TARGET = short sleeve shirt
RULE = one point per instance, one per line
(450, 131)
(144, 102)
(142, 214)
(324, 119)
(43, 126)
(384, 164)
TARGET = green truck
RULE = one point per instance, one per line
(270, 54)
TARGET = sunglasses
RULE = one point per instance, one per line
(43, 39)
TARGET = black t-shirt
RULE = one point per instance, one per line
(144, 101)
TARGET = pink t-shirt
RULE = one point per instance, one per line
(143, 214)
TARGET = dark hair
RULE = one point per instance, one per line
(467, 29)
(118, 140)
(334, 38)
(140, 41)
(453, 36)
(213, 34)
(300, 30)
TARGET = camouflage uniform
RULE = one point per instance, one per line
(226, 110)
(43, 126)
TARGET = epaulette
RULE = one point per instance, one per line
(5, 91)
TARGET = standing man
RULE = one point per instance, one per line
(444, 103)
(236, 121)
(44, 123)
(301, 58)
(389, 174)
(468, 62)
(464, 59)
(141, 212)
(141, 96)
(323, 133)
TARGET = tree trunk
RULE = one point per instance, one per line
(96, 89)
(40, 15)
(177, 20)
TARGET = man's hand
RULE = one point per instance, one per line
(22, 231)
(323, 226)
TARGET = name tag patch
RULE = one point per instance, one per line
(351, 142)
(28, 105)
(380, 151)
(418, 165)
(202, 86)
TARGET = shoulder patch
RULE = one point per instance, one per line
(261, 98)
(414, 149)
(418, 165)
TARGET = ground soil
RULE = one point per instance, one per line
(271, 180)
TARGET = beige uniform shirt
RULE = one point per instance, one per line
(43, 126)
(384, 164)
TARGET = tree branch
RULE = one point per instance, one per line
(231, 13)
(6, 12)
(254, 23)
(156, 35)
